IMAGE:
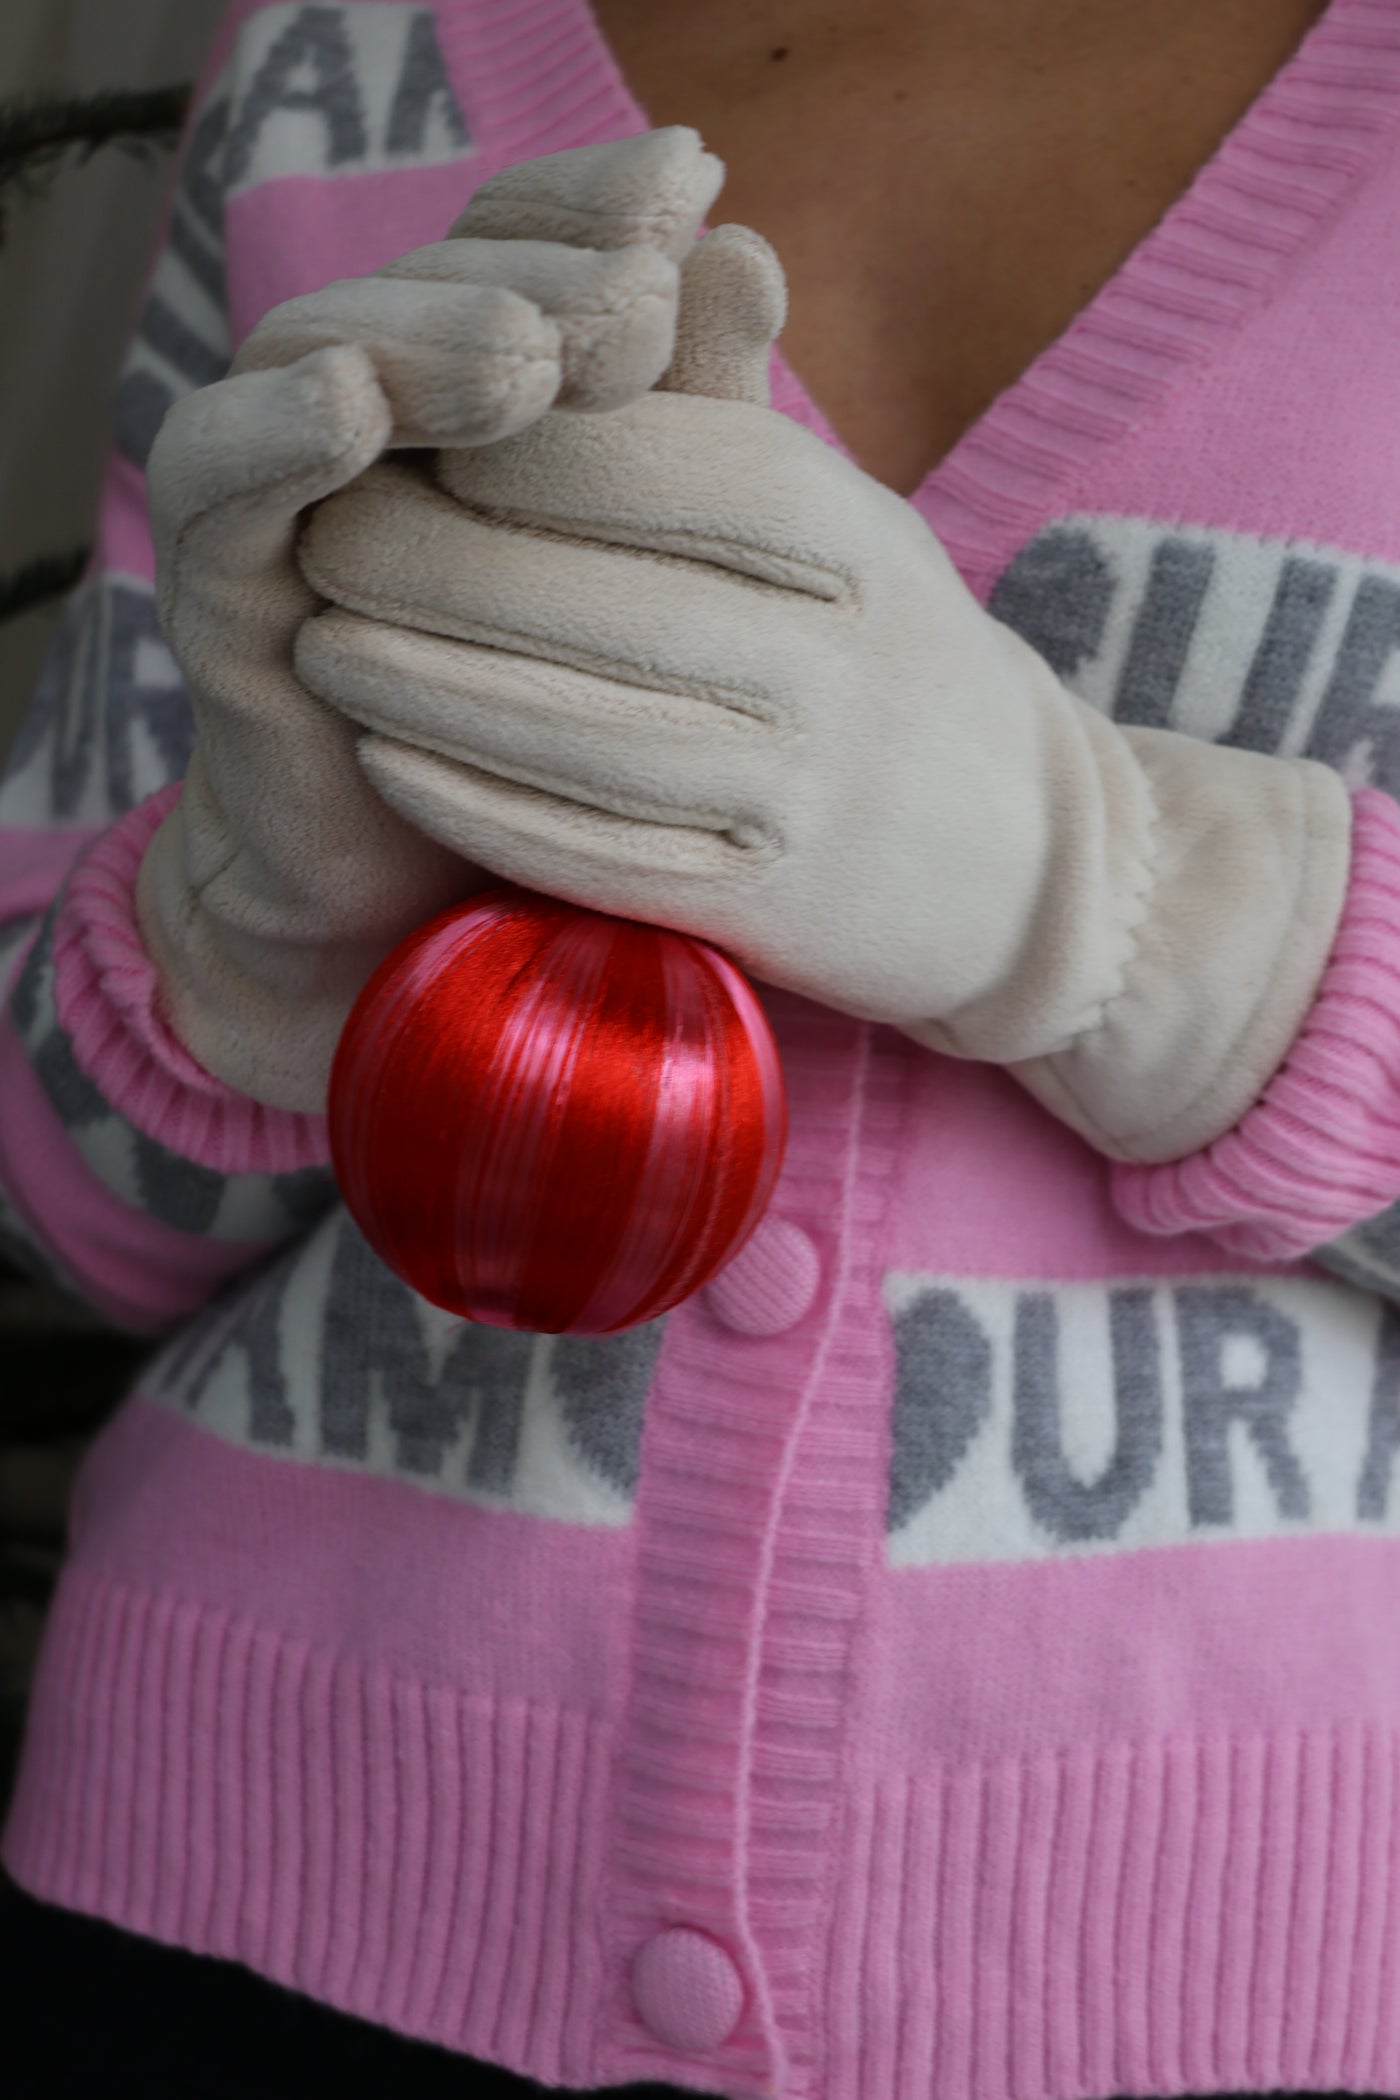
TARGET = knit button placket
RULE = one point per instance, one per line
(687, 1991)
(771, 1283)
(764, 1478)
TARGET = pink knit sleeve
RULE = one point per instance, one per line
(1319, 1153)
(128, 1173)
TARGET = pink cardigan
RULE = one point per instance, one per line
(960, 1651)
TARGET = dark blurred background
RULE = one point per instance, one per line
(91, 97)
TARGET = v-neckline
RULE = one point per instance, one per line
(1213, 260)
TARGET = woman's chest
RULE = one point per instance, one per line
(944, 204)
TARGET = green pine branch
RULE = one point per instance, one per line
(38, 132)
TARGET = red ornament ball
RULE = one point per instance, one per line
(547, 1118)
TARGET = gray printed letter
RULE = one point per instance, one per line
(372, 1338)
(1207, 1319)
(1355, 731)
(1056, 594)
(942, 1396)
(1373, 1488)
(1068, 1508)
(314, 39)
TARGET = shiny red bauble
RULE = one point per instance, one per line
(546, 1118)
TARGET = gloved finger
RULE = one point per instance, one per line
(655, 189)
(233, 464)
(396, 548)
(524, 834)
(733, 303)
(721, 482)
(455, 338)
(458, 364)
(662, 757)
(615, 313)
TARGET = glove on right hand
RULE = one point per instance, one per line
(281, 879)
(687, 664)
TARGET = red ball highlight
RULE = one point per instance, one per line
(550, 1119)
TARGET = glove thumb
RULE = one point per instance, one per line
(733, 302)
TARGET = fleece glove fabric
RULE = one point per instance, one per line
(686, 663)
(282, 878)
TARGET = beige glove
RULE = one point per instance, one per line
(281, 879)
(687, 664)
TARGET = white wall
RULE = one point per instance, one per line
(70, 282)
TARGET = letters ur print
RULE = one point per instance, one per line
(1032, 1419)
(1028, 1419)
(1259, 644)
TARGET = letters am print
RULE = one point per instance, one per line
(319, 91)
(1036, 1419)
(329, 88)
(327, 1357)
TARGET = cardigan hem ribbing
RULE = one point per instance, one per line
(1198, 1914)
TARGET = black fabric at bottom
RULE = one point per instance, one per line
(94, 2013)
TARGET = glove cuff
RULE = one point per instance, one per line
(259, 1006)
(1319, 1156)
(1248, 858)
(107, 997)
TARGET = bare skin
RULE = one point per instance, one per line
(948, 182)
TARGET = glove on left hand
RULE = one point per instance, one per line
(686, 663)
(281, 879)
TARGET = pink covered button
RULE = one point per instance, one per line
(687, 1990)
(770, 1283)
